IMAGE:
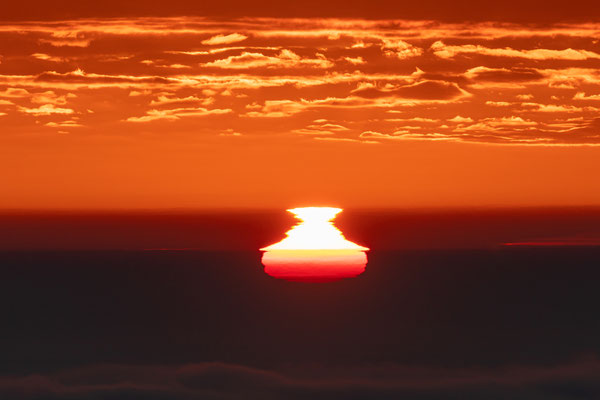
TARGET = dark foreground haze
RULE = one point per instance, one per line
(92, 309)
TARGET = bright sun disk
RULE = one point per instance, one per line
(315, 231)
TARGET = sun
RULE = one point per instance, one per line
(314, 250)
(315, 231)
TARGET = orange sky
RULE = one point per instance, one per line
(163, 112)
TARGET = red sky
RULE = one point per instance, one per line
(373, 105)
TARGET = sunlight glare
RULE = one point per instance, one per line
(314, 250)
(315, 231)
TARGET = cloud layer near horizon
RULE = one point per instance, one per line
(230, 381)
(327, 80)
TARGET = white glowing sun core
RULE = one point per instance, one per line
(315, 231)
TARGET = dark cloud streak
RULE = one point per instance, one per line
(230, 381)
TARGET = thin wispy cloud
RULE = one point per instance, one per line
(484, 82)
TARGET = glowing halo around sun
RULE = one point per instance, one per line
(314, 250)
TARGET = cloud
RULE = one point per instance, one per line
(50, 97)
(225, 39)
(490, 123)
(423, 90)
(46, 109)
(504, 74)
(175, 66)
(460, 119)
(498, 103)
(312, 131)
(374, 135)
(276, 108)
(14, 93)
(165, 100)
(286, 108)
(406, 135)
(177, 113)
(343, 140)
(556, 108)
(64, 124)
(231, 381)
(571, 78)
(46, 57)
(400, 49)
(136, 93)
(321, 127)
(285, 59)
(66, 42)
(230, 133)
(447, 51)
(355, 60)
(524, 96)
(359, 74)
(583, 96)
(331, 127)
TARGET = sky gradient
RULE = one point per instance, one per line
(260, 111)
(149, 150)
